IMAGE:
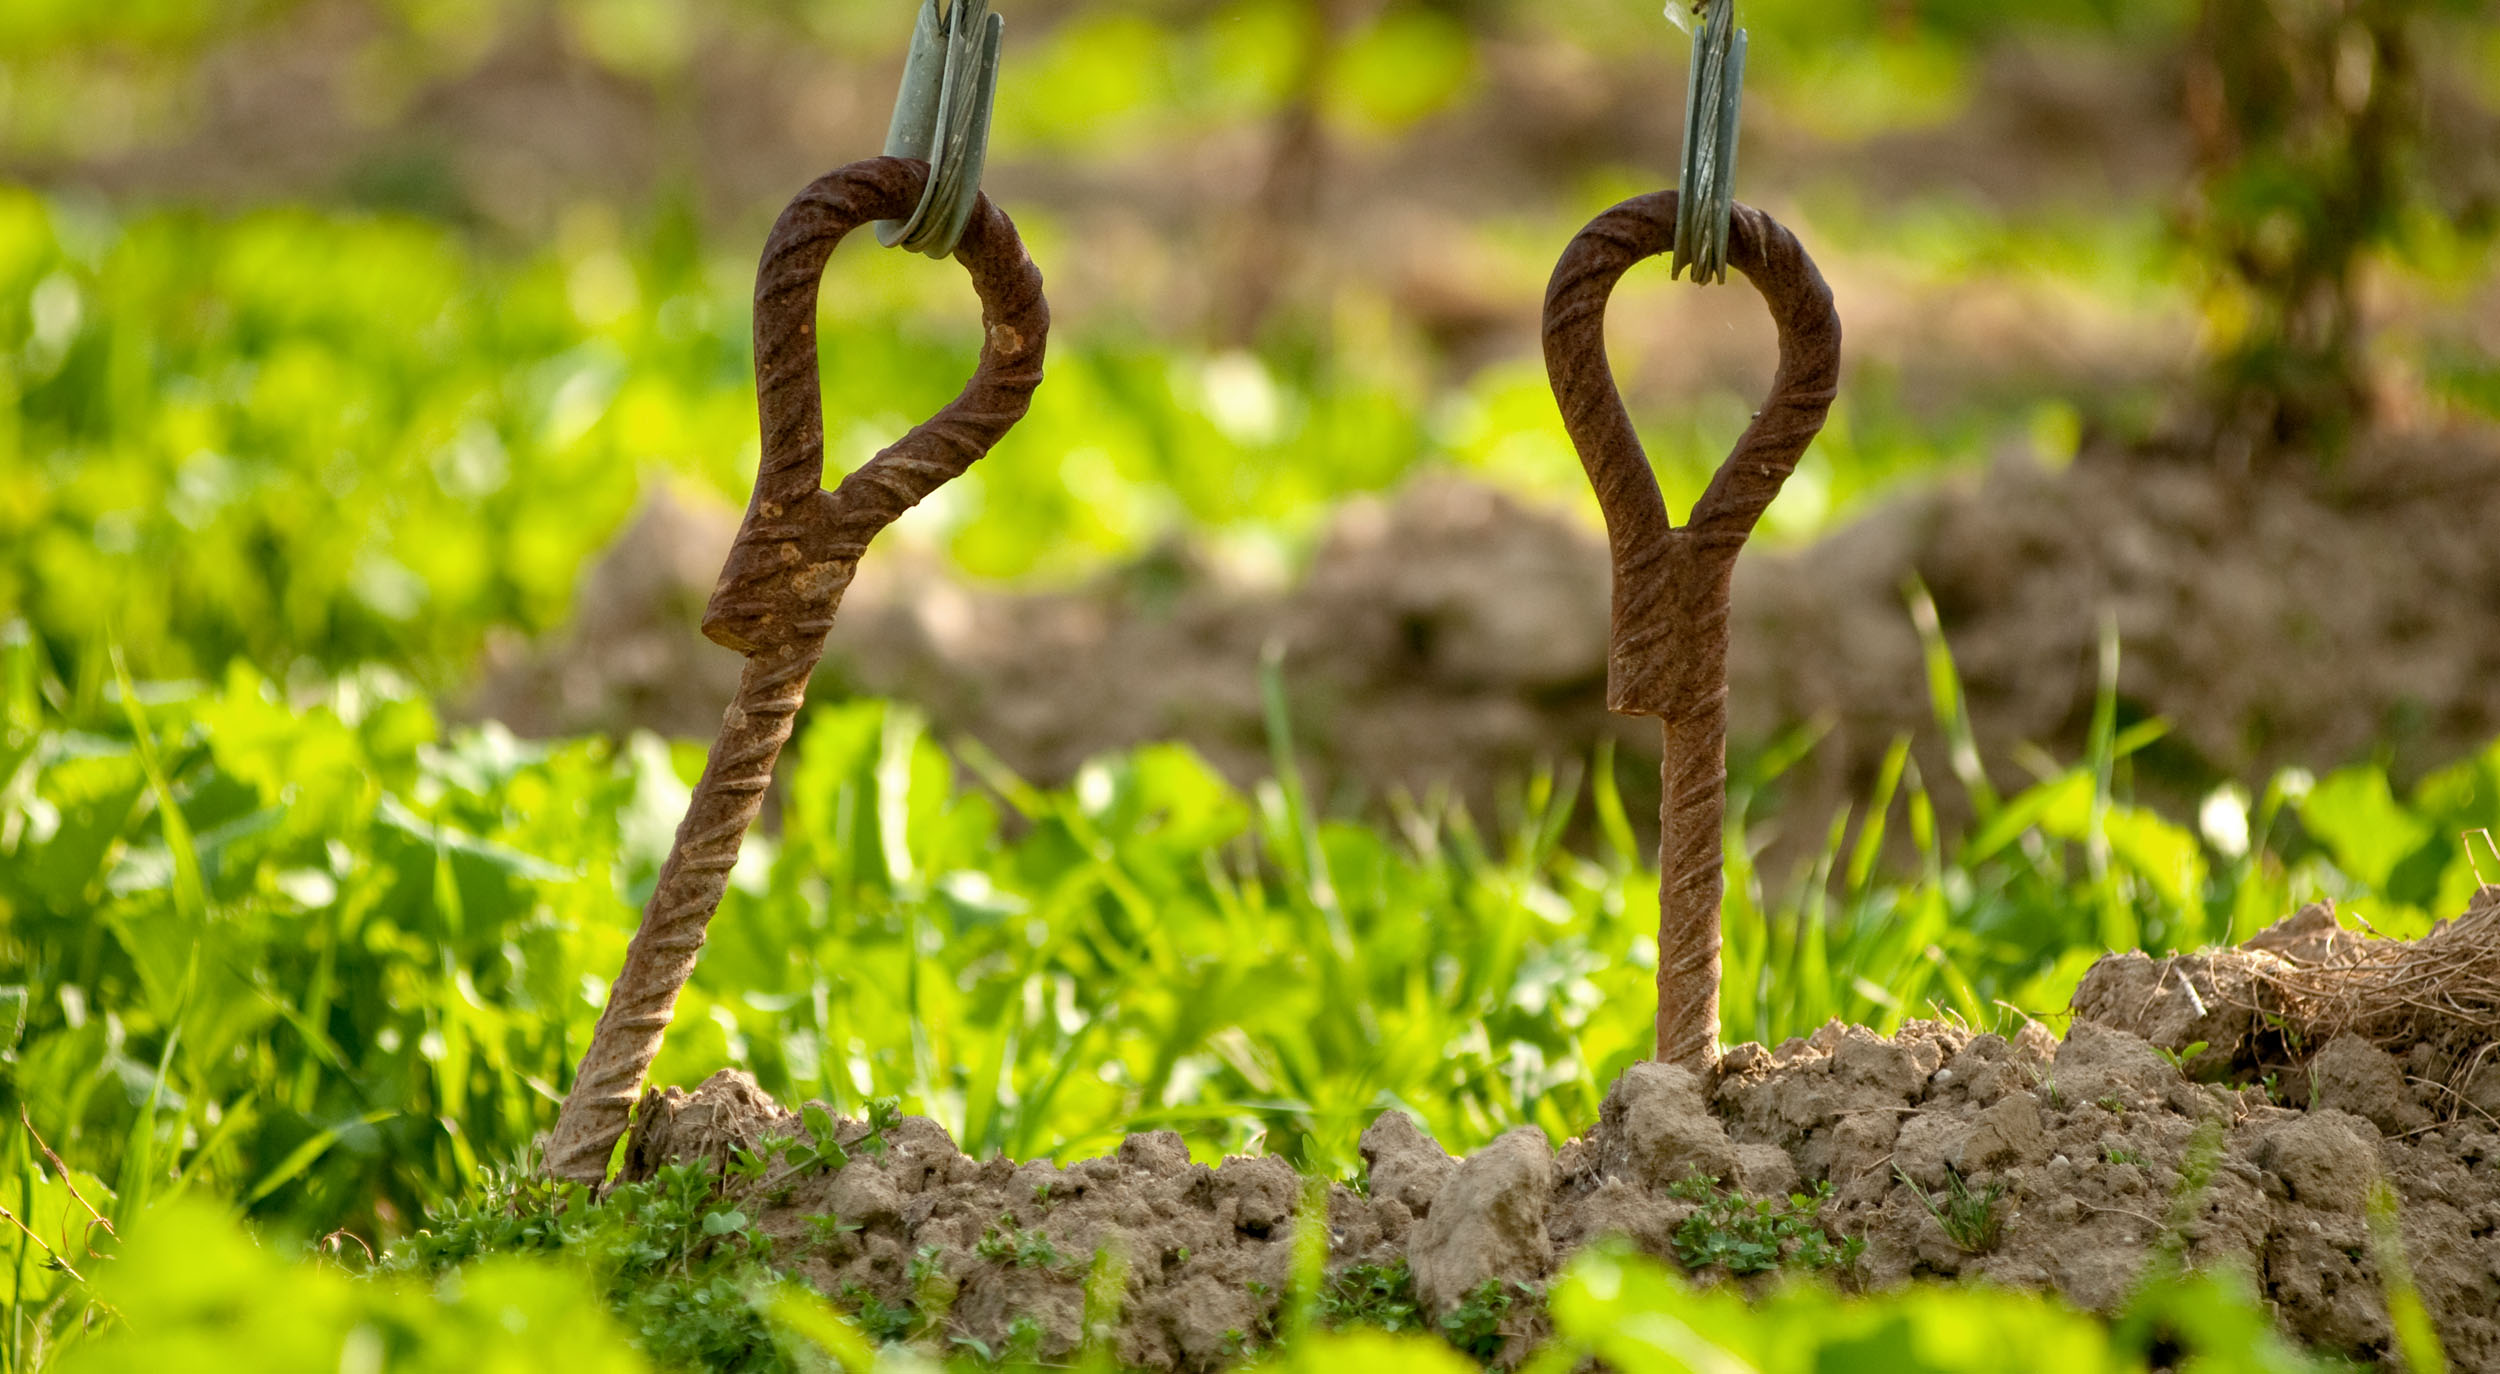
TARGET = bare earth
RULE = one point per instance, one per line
(2091, 1140)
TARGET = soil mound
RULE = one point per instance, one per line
(2028, 1160)
(1451, 638)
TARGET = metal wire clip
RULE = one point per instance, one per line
(942, 117)
(1714, 95)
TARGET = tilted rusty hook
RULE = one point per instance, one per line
(1668, 652)
(794, 556)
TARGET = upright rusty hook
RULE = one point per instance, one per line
(1668, 651)
(795, 554)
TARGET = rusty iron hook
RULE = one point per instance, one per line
(784, 578)
(1667, 655)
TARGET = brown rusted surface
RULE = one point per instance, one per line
(784, 578)
(1668, 655)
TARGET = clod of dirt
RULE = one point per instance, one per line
(2024, 1160)
(2353, 1075)
(1405, 1165)
(1655, 1129)
(1487, 1222)
(2260, 1008)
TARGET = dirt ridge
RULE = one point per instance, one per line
(2086, 1141)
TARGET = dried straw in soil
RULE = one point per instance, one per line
(2443, 987)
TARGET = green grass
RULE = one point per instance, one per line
(332, 959)
(354, 439)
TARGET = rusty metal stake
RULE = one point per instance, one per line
(1668, 653)
(794, 556)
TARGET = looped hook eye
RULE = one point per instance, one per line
(1714, 101)
(784, 578)
(799, 543)
(1667, 656)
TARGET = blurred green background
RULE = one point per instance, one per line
(344, 332)
(338, 336)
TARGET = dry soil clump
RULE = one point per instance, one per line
(2072, 1161)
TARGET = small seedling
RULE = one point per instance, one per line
(1024, 1340)
(883, 1114)
(750, 1164)
(1969, 1219)
(884, 1322)
(827, 1230)
(822, 1152)
(2117, 1156)
(2179, 1059)
(1009, 1245)
(1753, 1236)
(1381, 1295)
(2113, 1103)
(1475, 1325)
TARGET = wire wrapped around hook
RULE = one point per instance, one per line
(942, 117)
(1714, 102)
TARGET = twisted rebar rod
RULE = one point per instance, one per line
(784, 579)
(1668, 652)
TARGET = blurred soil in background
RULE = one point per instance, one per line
(1452, 640)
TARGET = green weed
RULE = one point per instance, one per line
(1750, 1236)
(1970, 1219)
(1482, 1322)
(1376, 1295)
(1005, 1243)
(395, 928)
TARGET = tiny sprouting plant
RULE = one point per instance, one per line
(821, 1152)
(2113, 1103)
(1024, 1340)
(883, 1114)
(933, 1290)
(1007, 1244)
(2179, 1059)
(1752, 1236)
(1381, 1295)
(1969, 1218)
(885, 1322)
(827, 1230)
(1475, 1325)
(2114, 1155)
